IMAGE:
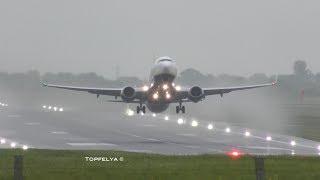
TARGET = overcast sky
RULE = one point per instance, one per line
(236, 37)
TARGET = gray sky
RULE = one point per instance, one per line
(236, 37)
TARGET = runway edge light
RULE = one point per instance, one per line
(25, 147)
(13, 145)
(268, 138)
(194, 123)
(234, 154)
(180, 121)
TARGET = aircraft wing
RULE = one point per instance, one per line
(138, 102)
(97, 91)
(223, 90)
(183, 94)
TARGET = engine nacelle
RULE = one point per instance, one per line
(195, 94)
(128, 94)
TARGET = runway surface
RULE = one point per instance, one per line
(46, 129)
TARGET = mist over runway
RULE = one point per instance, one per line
(180, 135)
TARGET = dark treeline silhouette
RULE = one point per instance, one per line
(291, 84)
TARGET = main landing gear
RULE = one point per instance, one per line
(141, 108)
(180, 108)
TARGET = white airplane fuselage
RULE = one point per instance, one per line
(162, 76)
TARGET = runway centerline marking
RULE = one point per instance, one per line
(137, 136)
(265, 148)
(192, 147)
(152, 139)
(146, 125)
(58, 132)
(91, 144)
(32, 123)
(14, 115)
(138, 151)
(187, 135)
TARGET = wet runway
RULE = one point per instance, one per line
(174, 134)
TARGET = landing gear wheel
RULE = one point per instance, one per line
(183, 109)
(180, 108)
(177, 109)
(142, 109)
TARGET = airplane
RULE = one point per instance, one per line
(162, 90)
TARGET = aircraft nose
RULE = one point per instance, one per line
(168, 68)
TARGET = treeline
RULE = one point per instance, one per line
(302, 79)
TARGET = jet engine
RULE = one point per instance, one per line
(195, 94)
(128, 94)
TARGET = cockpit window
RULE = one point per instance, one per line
(161, 60)
(164, 59)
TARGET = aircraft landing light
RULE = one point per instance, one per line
(166, 118)
(178, 88)
(3, 141)
(155, 96)
(227, 130)
(145, 88)
(293, 143)
(165, 86)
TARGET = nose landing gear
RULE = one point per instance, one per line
(180, 108)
